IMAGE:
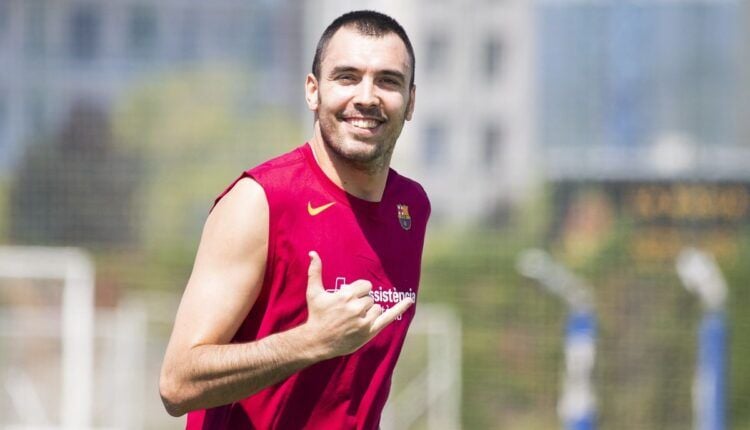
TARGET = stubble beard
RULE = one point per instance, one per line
(370, 162)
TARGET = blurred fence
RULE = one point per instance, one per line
(120, 122)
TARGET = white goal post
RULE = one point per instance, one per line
(431, 397)
(75, 269)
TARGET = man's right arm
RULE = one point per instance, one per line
(201, 367)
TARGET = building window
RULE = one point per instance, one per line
(491, 56)
(491, 145)
(434, 143)
(85, 32)
(34, 29)
(436, 53)
(4, 20)
(189, 34)
(142, 31)
(261, 47)
(4, 135)
(35, 111)
(3, 113)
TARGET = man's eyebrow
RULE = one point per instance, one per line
(394, 74)
(343, 69)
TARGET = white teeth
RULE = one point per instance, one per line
(364, 123)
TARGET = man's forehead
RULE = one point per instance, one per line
(349, 44)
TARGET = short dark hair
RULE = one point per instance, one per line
(368, 23)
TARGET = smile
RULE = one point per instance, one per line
(363, 123)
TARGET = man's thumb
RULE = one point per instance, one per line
(314, 281)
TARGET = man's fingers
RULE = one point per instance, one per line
(359, 288)
(314, 273)
(391, 314)
(374, 312)
(365, 303)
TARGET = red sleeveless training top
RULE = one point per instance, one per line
(356, 239)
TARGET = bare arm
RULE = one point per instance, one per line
(201, 369)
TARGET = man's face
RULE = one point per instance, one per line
(362, 97)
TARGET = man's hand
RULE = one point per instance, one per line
(347, 319)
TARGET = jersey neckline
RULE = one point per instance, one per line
(341, 194)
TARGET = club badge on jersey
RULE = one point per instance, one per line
(403, 216)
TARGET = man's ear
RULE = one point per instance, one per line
(311, 92)
(410, 106)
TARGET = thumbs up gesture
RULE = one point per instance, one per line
(347, 319)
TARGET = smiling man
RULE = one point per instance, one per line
(308, 269)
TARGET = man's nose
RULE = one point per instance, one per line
(366, 96)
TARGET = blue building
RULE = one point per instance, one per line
(56, 52)
(640, 88)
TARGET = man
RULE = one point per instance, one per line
(301, 292)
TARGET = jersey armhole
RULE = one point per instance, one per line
(244, 175)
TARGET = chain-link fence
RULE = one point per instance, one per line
(121, 121)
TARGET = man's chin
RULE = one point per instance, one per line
(357, 148)
(363, 153)
(363, 156)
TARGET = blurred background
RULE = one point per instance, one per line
(613, 134)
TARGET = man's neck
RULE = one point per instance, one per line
(363, 183)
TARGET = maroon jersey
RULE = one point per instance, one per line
(356, 239)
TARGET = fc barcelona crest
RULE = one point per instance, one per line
(403, 216)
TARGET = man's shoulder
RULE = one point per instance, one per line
(408, 185)
(284, 177)
(279, 163)
(271, 175)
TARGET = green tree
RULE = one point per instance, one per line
(75, 188)
(197, 131)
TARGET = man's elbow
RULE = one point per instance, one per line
(174, 399)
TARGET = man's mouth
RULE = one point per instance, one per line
(364, 123)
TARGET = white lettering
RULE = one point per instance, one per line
(383, 297)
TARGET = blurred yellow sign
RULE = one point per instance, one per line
(662, 217)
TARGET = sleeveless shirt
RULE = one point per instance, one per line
(356, 239)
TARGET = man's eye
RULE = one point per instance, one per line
(345, 78)
(391, 82)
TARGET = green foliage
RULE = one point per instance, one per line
(197, 131)
(512, 345)
(737, 273)
(76, 187)
(507, 349)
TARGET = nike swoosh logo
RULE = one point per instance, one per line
(315, 211)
